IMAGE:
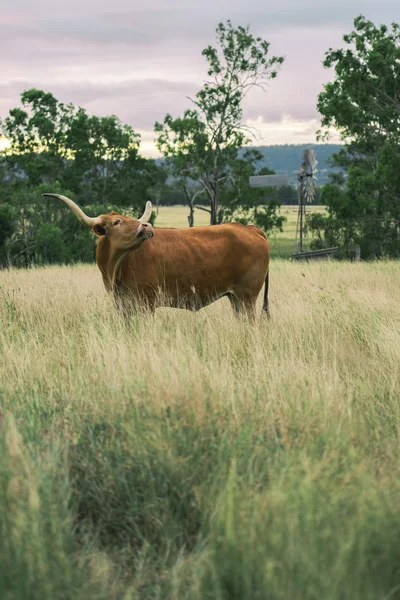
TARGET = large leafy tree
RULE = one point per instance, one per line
(53, 145)
(363, 104)
(106, 162)
(202, 146)
(96, 157)
(35, 133)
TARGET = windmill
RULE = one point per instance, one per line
(307, 191)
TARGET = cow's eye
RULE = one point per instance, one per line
(116, 222)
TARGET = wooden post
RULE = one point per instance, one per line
(301, 217)
(357, 253)
(299, 227)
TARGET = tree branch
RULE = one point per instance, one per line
(203, 208)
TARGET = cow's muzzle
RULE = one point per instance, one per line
(145, 231)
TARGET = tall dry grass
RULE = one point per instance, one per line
(195, 455)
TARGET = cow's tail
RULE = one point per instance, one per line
(266, 304)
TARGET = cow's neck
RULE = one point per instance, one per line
(109, 261)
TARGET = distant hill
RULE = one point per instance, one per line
(287, 159)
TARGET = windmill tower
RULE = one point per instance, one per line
(307, 191)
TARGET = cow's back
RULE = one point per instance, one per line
(206, 262)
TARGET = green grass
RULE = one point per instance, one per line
(282, 244)
(198, 456)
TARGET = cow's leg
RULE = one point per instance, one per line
(244, 305)
(129, 304)
(234, 303)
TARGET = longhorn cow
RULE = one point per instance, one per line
(182, 268)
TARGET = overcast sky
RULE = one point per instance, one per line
(141, 59)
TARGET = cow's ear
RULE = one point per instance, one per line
(99, 229)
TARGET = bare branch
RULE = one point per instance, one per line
(203, 208)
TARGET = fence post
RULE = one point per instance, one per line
(357, 253)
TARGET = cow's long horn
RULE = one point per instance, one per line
(88, 221)
(147, 213)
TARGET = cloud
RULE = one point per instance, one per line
(136, 102)
(141, 60)
(134, 22)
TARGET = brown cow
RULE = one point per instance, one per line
(182, 268)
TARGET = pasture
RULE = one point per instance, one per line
(195, 455)
(282, 243)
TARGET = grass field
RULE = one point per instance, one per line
(282, 244)
(197, 456)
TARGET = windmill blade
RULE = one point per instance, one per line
(307, 175)
(307, 191)
(309, 159)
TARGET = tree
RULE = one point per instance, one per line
(363, 104)
(7, 227)
(96, 157)
(48, 243)
(250, 205)
(35, 134)
(60, 147)
(203, 145)
(106, 163)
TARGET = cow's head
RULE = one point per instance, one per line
(123, 233)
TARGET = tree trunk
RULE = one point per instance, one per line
(213, 215)
(190, 200)
(214, 208)
(191, 215)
